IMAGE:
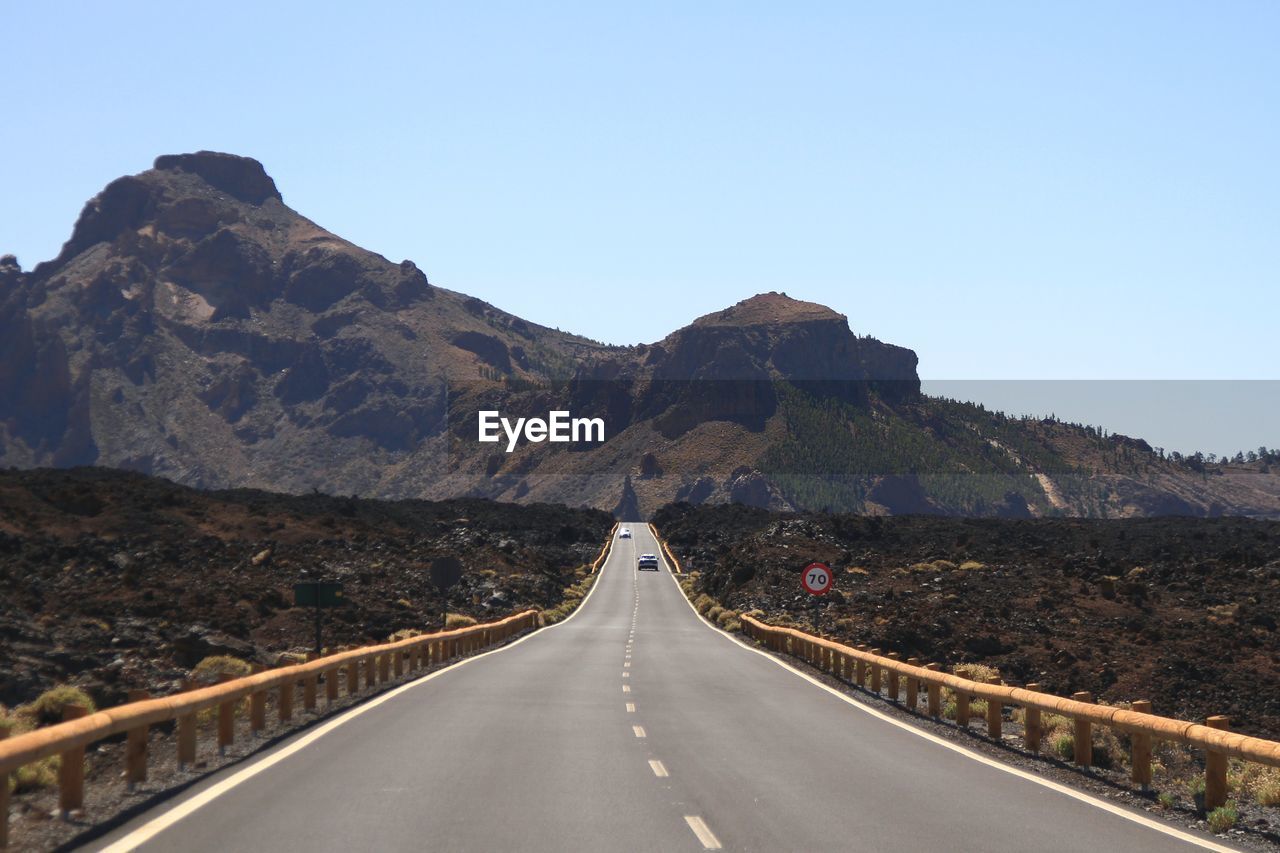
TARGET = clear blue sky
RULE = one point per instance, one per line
(1014, 190)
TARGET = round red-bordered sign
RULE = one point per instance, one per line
(816, 579)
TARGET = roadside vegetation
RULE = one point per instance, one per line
(45, 710)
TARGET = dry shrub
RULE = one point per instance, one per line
(977, 707)
(713, 613)
(1260, 783)
(47, 709)
(211, 669)
(725, 617)
(458, 620)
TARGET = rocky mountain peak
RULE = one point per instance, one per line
(769, 309)
(241, 177)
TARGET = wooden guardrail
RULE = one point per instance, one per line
(666, 549)
(378, 665)
(862, 666)
(604, 551)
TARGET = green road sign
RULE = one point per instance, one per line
(318, 594)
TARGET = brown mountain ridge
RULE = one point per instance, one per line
(196, 328)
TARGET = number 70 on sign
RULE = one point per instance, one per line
(816, 578)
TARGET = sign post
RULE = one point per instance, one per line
(318, 594)
(816, 580)
(445, 572)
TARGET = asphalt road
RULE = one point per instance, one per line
(632, 726)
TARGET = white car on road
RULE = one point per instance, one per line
(647, 563)
(624, 533)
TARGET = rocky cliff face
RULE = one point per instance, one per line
(197, 328)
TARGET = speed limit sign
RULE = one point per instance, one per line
(816, 578)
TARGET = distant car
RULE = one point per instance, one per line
(624, 533)
(647, 563)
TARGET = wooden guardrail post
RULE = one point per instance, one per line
(331, 685)
(846, 667)
(4, 802)
(995, 713)
(860, 669)
(310, 687)
(187, 735)
(875, 673)
(913, 687)
(962, 702)
(935, 693)
(353, 676)
(893, 678)
(1083, 733)
(1031, 730)
(384, 668)
(285, 705)
(257, 705)
(71, 768)
(370, 671)
(135, 748)
(226, 718)
(1140, 752)
(1215, 768)
(397, 663)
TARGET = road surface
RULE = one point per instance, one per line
(632, 726)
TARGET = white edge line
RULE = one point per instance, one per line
(1127, 814)
(178, 811)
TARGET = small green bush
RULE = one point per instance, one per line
(37, 776)
(1063, 745)
(1165, 800)
(1223, 818)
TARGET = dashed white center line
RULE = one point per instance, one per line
(626, 663)
(626, 688)
(626, 675)
(659, 769)
(639, 731)
(706, 836)
(631, 707)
